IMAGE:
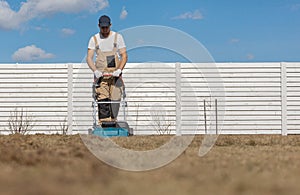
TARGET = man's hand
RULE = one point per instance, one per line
(97, 74)
(117, 73)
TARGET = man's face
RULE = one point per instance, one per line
(104, 30)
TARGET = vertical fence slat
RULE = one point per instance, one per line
(178, 98)
(70, 99)
(284, 130)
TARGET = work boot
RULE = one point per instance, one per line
(104, 109)
(114, 110)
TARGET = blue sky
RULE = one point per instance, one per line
(232, 30)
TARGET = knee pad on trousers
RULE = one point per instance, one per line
(115, 110)
(104, 109)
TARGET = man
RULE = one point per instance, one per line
(111, 57)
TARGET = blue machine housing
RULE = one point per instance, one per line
(110, 132)
(109, 128)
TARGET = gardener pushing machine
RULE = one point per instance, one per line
(111, 57)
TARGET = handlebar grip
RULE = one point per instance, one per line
(107, 74)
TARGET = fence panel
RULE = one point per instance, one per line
(257, 98)
(293, 97)
(40, 91)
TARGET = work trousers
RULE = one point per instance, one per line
(110, 90)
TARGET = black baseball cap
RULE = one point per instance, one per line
(104, 21)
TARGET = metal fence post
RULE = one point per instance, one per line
(204, 110)
(178, 98)
(284, 130)
(70, 99)
(216, 117)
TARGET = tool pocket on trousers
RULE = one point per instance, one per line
(111, 61)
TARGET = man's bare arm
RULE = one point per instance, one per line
(90, 59)
(124, 58)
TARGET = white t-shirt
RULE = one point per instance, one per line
(107, 44)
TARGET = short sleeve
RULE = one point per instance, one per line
(121, 43)
(91, 44)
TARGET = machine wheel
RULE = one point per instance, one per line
(123, 124)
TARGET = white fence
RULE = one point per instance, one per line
(260, 98)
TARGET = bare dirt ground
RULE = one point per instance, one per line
(57, 164)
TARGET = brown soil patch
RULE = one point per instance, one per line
(56, 164)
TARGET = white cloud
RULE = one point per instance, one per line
(295, 7)
(140, 42)
(123, 14)
(10, 19)
(250, 56)
(234, 40)
(67, 31)
(39, 28)
(30, 53)
(196, 15)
